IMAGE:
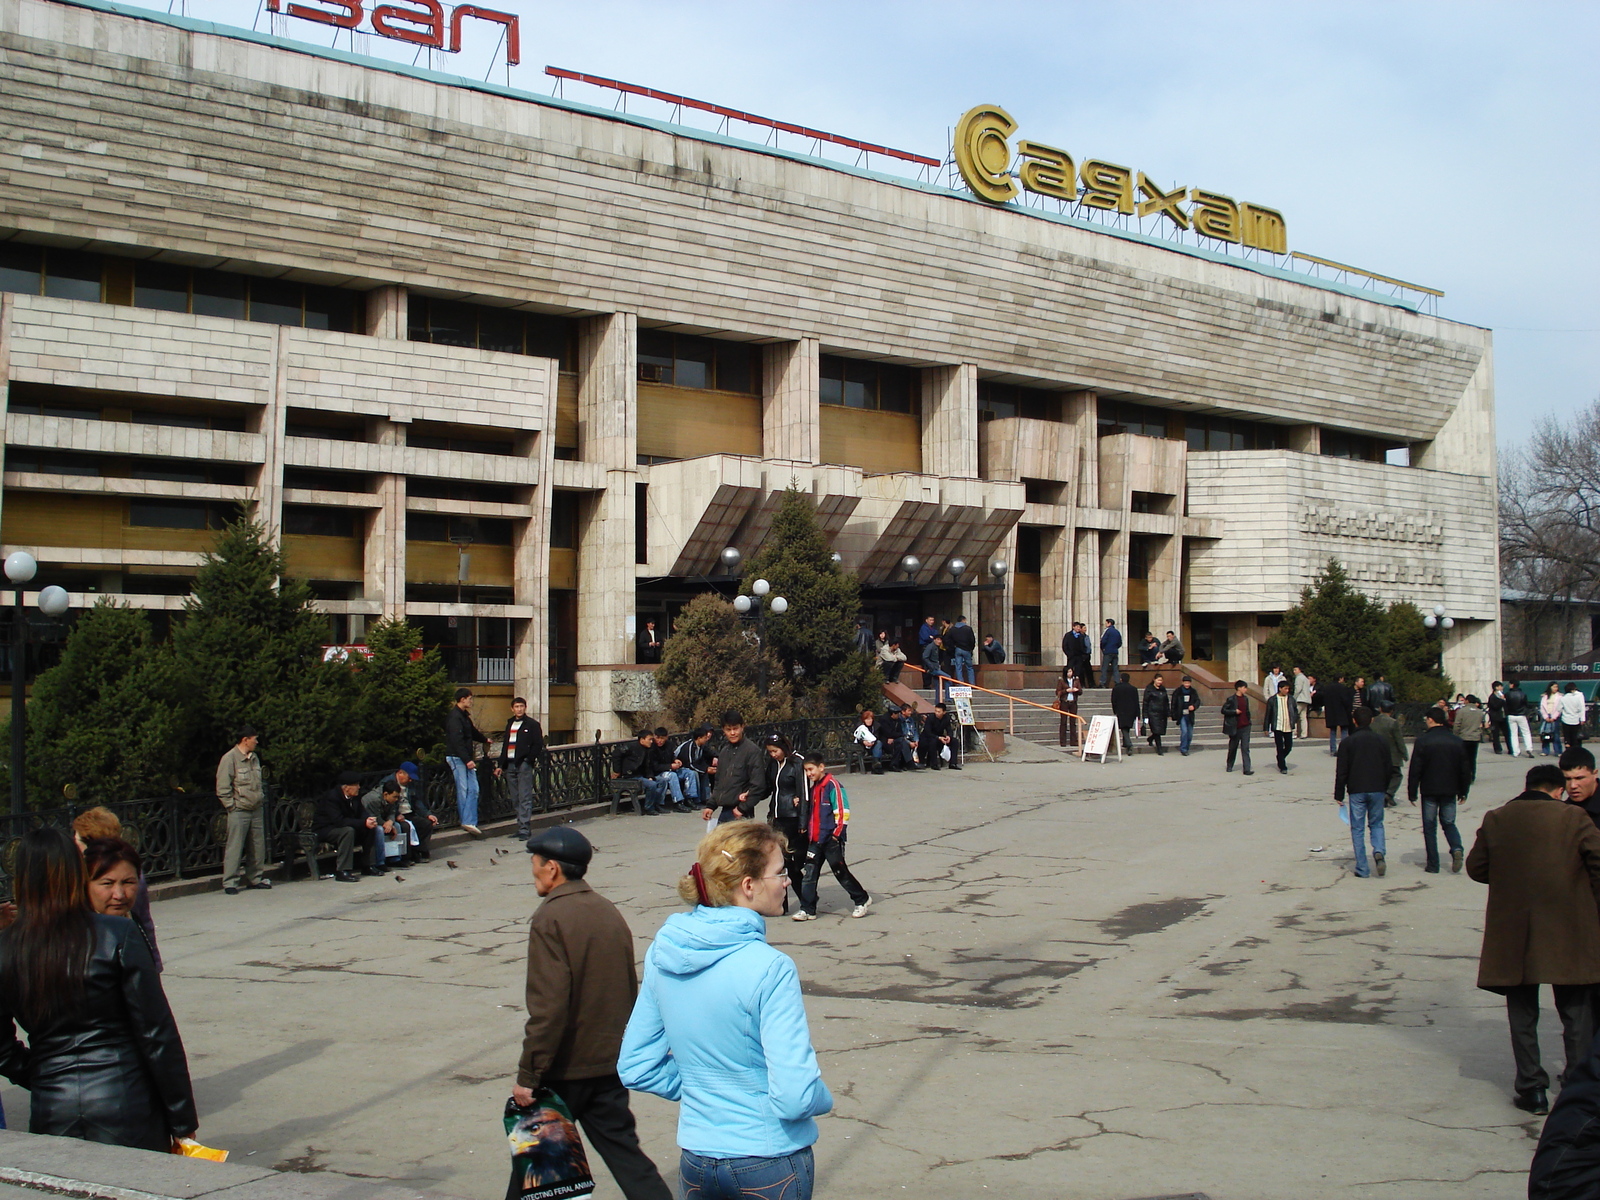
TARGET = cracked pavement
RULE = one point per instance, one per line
(1075, 981)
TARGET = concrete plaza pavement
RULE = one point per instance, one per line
(1076, 981)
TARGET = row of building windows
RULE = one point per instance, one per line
(108, 466)
(862, 383)
(696, 362)
(484, 327)
(997, 401)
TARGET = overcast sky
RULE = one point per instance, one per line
(1447, 144)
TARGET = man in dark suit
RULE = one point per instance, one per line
(649, 644)
(939, 731)
(1338, 703)
(1236, 724)
(1438, 774)
(1080, 653)
(1125, 705)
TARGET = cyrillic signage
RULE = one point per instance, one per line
(984, 158)
(419, 22)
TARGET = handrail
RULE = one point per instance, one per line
(1003, 695)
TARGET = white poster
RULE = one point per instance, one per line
(1101, 737)
(964, 710)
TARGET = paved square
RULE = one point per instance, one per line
(1076, 981)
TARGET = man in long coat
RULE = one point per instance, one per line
(1541, 860)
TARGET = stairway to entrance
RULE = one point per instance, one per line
(1037, 725)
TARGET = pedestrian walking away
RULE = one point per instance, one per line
(580, 989)
(1236, 724)
(241, 792)
(1471, 722)
(1574, 711)
(521, 753)
(461, 740)
(104, 1061)
(1156, 709)
(1361, 771)
(1185, 708)
(1517, 732)
(1437, 775)
(1541, 860)
(1125, 705)
(827, 824)
(1338, 699)
(1279, 721)
(1302, 702)
(720, 1023)
(1386, 727)
(1110, 649)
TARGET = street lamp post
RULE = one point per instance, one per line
(20, 568)
(1438, 619)
(758, 604)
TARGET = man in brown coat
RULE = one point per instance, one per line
(581, 987)
(1541, 860)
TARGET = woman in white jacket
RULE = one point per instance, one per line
(1574, 711)
(1550, 720)
(870, 738)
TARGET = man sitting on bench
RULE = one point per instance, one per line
(391, 833)
(340, 820)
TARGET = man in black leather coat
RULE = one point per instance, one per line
(339, 820)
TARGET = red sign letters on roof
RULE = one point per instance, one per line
(420, 22)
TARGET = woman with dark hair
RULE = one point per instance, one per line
(116, 885)
(1068, 689)
(786, 808)
(103, 1061)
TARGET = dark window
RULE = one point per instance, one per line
(1138, 558)
(312, 480)
(485, 327)
(306, 520)
(449, 437)
(1027, 629)
(1029, 549)
(440, 527)
(858, 383)
(277, 303)
(696, 362)
(43, 462)
(339, 427)
(451, 489)
(564, 520)
(70, 275)
(179, 514)
(216, 294)
(641, 522)
(1119, 416)
(160, 286)
(1338, 444)
(21, 268)
(1000, 400)
(563, 635)
(1225, 433)
(1040, 491)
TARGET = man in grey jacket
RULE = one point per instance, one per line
(240, 792)
(741, 774)
(1388, 728)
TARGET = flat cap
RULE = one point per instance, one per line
(562, 843)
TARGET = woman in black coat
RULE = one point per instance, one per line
(103, 1061)
(1157, 708)
(787, 810)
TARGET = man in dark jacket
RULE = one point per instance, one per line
(1125, 707)
(741, 767)
(1110, 649)
(1337, 698)
(1156, 709)
(962, 642)
(650, 643)
(461, 739)
(1439, 775)
(1279, 720)
(1185, 707)
(901, 732)
(1236, 724)
(1362, 771)
(1496, 706)
(1380, 692)
(338, 819)
(993, 652)
(1566, 1166)
(938, 731)
(521, 748)
(1541, 860)
(1517, 731)
(1386, 727)
(1080, 653)
(635, 760)
(581, 984)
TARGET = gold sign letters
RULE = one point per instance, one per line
(983, 156)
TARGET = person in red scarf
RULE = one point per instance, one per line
(827, 821)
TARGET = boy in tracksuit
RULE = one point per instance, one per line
(827, 820)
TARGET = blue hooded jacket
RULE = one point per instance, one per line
(720, 1026)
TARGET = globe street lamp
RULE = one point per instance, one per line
(53, 601)
(911, 564)
(957, 568)
(731, 558)
(998, 569)
(758, 604)
(1438, 619)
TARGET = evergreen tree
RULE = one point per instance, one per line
(1413, 657)
(709, 664)
(1334, 630)
(250, 652)
(815, 639)
(401, 695)
(106, 719)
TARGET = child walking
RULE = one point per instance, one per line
(827, 822)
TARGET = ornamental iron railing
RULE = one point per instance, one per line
(183, 836)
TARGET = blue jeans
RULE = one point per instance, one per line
(1440, 809)
(655, 791)
(786, 1178)
(961, 667)
(1334, 739)
(688, 782)
(1185, 733)
(466, 791)
(672, 784)
(1366, 811)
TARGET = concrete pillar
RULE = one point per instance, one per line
(1081, 410)
(1086, 580)
(607, 575)
(950, 421)
(1244, 652)
(791, 427)
(1114, 585)
(994, 608)
(384, 573)
(387, 313)
(1163, 583)
(1307, 439)
(1055, 583)
(1472, 655)
(531, 571)
(7, 307)
(269, 485)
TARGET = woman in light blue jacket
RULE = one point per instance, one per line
(720, 1026)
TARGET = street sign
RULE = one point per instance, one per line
(1100, 739)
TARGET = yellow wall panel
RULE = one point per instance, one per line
(49, 519)
(1025, 589)
(563, 568)
(567, 411)
(324, 557)
(437, 562)
(882, 443)
(677, 422)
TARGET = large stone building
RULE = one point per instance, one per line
(518, 369)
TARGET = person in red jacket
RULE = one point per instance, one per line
(827, 818)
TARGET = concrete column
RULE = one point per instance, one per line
(1166, 569)
(7, 307)
(1244, 652)
(384, 563)
(607, 575)
(269, 486)
(531, 570)
(386, 313)
(994, 608)
(1082, 411)
(1472, 655)
(1055, 584)
(950, 421)
(1307, 439)
(1114, 586)
(791, 427)
(1086, 579)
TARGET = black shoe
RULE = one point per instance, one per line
(264, 885)
(516, 834)
(422, 858)
(231, 891)
(1431, 870)
(1535, 1102)
(375, 871)
(1380, 866)
(955, 768)
(1249, 772)
(347, 877)
(1391, 804)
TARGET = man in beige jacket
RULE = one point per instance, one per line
(239, 791)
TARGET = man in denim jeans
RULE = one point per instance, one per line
(1362, 769)
(461, 739)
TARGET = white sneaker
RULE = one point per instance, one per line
(473, 830)
(803, 915)
(860, 910)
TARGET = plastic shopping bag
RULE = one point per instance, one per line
(190, 1148)
(547, 1157)
(944, 752)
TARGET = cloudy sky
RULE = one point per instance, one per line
(1449, 144)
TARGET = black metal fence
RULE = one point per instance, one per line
(183, 836)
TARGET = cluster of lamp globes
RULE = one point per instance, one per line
(910, 564)
(20, 568)
(1437, 619)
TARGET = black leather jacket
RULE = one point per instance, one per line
(788, 790)
(115, 1071)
